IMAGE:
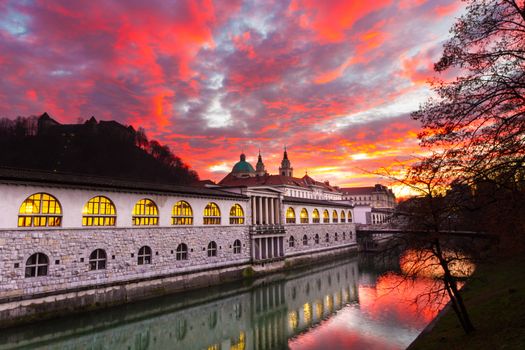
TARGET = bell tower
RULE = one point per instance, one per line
(285, 169)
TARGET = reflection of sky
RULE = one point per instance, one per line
(385, 318)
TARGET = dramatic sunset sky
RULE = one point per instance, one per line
(334, 81)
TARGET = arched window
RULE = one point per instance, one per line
(344, 236)
(212, 214)
(236, 215)
(97, 260)
(315, 216)
(182, 214)
(334, 217)
(144, 256)
(37, 265)
(237, 247)
(145, 213)
(336, 237)
(304, 216)
(291, 242)
(327, 238)
(305, 240)
(99, 211)
(182, 252)
(212, 249)
(290, 216)
(343, 217)
(326, 216)
(316, 239)
(349, 216)
(40, 209)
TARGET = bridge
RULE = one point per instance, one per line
(371, 237)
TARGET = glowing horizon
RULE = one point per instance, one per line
(333, 81)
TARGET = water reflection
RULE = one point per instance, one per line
(335, 306)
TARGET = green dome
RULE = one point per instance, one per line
(243, 166)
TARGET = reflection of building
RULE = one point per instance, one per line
(260, 318)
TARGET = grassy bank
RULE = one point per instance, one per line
(495, 298)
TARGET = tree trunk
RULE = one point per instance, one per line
(452, 289)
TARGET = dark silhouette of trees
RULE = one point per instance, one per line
(479, 117)
(104, 148)
(475, 130)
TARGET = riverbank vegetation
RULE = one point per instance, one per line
(495, 296)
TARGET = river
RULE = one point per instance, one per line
(355, 303)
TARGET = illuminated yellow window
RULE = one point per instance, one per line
(349, 216)
(326, 216)
(212, 214)
(290, 216)
(334, 217)
(304, 216)
(240, 343)
(182, 214)
(99, 211)
(315, 216)
(307, 311)
(236, 215)
(145, 213)
(40, 209)
(343, 217)
(293, 320)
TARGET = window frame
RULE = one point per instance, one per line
(33, 219)
(236, 219)
(96, 262)
(304, 219)
(37, 268)
(212, 249)
(291, 219)
(237, 247)
(145, 255)
(88, 220)
(208, 218)
(182, 215)
(143, 218)
(326, 218)
(305, 240)
(181, 252)
(291, 242)
(316, 218)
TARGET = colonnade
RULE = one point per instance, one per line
(266, 210)
(268, 248)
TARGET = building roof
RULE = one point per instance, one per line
(307, 201)
(366, 190)
(242, 166)
(274, 180)
(39, 177)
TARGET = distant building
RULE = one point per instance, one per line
(379, 198)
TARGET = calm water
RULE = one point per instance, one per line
(343, 305)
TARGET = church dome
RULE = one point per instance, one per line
(243, 166)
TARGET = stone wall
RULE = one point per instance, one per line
(68, 251)
(345, 236)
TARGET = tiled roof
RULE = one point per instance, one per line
(274, 180)
(358, 190)
(25, 176)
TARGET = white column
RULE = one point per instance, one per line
(277, 212)
(254, 212)
(270, 240)
(259, 212)
(265, 210)
(272, 212)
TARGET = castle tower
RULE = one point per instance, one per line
(285, 169)
(260, 170)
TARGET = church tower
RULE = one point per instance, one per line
(285, 169)
(260, 170)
